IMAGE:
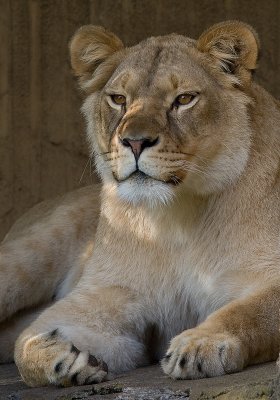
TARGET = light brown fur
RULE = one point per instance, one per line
(181, 259)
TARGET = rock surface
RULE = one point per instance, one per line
(259, 382)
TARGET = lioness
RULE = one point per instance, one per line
(185, 246)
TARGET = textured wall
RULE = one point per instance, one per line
(42, 146)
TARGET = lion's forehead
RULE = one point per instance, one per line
(172, 43)
(160, 66)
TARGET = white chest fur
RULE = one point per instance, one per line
(177, 262)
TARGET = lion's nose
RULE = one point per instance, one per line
(138, 145)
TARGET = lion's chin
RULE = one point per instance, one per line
(142, 189)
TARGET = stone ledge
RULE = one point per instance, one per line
(258, 382)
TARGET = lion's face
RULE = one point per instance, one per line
(167, 119)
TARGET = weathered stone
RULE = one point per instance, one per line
(259, 382)
(152, 394)
(261, 391)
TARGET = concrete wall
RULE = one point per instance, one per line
(42, 146)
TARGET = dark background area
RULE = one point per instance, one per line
(42, 143)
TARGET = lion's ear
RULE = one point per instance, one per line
(89, 48)
(234, 46)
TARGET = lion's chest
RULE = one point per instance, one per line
(179, 280)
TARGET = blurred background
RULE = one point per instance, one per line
(42, 143)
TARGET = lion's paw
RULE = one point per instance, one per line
(50, 359)
(195, 354)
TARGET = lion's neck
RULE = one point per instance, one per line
(172, 220)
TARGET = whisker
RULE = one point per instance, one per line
(167, 157)
(202, 159)
(191, 167)
(197, 171)
(84, 170)
(230, 150)
(174, 179)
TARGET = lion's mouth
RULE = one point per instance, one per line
(140, 177)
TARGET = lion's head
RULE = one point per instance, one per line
(169, 114)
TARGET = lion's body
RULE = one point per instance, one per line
(197, 247)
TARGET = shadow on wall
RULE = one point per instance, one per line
(42, 144)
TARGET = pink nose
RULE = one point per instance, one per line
(138, 145)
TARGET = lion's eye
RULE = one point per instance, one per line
(184, 99)
(118, 99)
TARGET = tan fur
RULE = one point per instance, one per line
(181, 258)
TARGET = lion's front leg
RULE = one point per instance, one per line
(82, 338)
(244, 332)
